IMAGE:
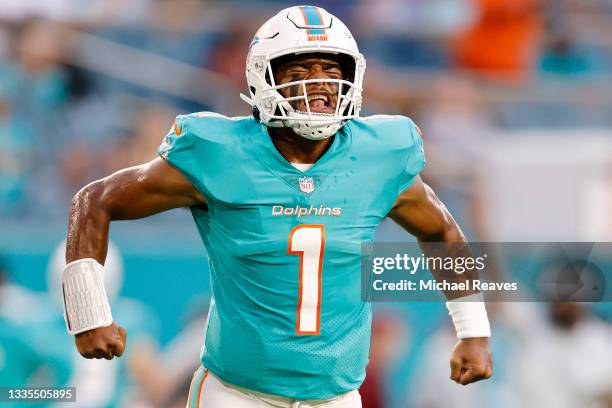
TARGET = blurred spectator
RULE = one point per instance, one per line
(563, 56)
(164, 375)
(409, 33)
(39, 79)
(457, 124)
(149, 125)
(109, 142)
(103, 383)
(20, 304)
(414, 18)
(432, 387)
(15, 158)
(504, 41)
(33, 89)
(26, 357)
(73, 10)
(564, 356)
(388, 341)
(229, 56)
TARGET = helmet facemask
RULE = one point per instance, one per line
(279, 110)
(302, 32)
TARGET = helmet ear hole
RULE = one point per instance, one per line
(268, 78)
(253, 90)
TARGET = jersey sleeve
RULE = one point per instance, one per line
(201, 146)
(414, 161)
(178, 149)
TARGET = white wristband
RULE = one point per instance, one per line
(469, 316)
(86, 306)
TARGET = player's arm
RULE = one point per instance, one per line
(419, 211)
(132, 193)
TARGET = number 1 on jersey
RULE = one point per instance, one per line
(308, 241)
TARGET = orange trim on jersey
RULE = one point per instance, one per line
(301, 254)
(419, 130)
(200, 387)
(195, 374)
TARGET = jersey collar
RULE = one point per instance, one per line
(274, 161)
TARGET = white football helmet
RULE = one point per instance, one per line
(294, 31)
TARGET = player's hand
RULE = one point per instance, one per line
(103, 342)
(471, 361)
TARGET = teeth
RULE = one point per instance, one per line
(316, 97)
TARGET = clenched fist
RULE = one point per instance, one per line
(471, 361)
(103, 342)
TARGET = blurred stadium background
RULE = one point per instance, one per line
(515, 101)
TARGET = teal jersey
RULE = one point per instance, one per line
(285, 246)
(28, 360)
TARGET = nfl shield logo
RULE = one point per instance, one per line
(307, 184)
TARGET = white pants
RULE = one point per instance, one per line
(208, 391)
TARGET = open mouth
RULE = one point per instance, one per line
(320, 103)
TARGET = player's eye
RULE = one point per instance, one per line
(296, 75)
(297, 71)
(333, 71)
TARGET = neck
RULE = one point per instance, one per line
(298, 149)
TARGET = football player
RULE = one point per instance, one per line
(283, 200)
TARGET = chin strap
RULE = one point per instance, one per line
(294, 120)
(246, 99)
(277, 124)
